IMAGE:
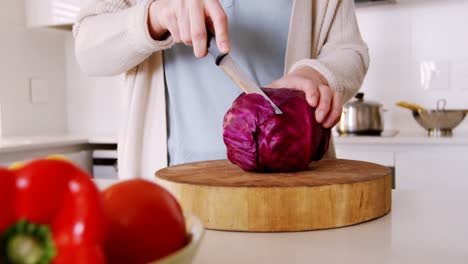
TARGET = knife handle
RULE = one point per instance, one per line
(213, 48)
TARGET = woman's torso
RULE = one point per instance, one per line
(199, 93)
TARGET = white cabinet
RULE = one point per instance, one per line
(82, 159)
(382, 157)
(53, 13)
(105, 164)
(433, 168)
(419, 163)
(97, 156)
(1, 121)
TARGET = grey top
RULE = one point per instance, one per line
(199, 93)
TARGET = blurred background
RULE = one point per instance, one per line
(418, 54)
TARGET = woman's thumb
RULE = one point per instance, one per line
(276, 84)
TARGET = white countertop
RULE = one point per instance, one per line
(9, 144)
(403, 138)
(102, 140)
(423, 227)
(428, 227)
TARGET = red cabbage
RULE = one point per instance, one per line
(259, 140)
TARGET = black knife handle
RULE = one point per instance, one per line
(213, 48)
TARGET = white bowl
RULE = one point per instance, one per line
(186, 254)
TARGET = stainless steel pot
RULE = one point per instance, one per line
(361, 117)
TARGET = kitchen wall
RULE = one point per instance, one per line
(400, 37)
(30, 54)
(93, 103)
(405, 38)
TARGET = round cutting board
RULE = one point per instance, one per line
(331, 193)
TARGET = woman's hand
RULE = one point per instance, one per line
(318, 94)
(186, 21)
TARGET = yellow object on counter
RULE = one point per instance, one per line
(18, 165)
(410, 106)
(58, 157)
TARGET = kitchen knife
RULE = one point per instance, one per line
(235, 72)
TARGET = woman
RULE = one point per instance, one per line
(175, 100)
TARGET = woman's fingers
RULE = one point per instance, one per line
(280, 83)
(198, 28)
(301, 84)
(186, 20)
(335, 113)
(327, 103)
(184, 24)
(324, 105)
(220, 24)
(312, 93)
(173, 27)
(158, 13)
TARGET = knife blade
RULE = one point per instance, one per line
(235, 72)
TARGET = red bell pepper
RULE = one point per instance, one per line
(51, 212)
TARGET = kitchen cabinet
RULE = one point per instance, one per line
(419, 162)
(77, 149)
(382, 157)
(53, 13)
(105, 164)
(82, 159)
(433, 168)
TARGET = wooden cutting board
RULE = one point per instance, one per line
(331, 193)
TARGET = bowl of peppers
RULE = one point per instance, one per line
(53, 212)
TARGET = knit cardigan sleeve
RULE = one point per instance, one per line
(112, 36)
(344, 58)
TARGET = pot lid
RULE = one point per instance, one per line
(359, 101)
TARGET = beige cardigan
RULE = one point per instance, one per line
(112, 38)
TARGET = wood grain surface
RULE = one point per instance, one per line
(331, 193)
(224, 173)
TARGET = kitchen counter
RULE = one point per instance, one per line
(20, 143)
(423, 227)
(76, 148)
(416, 138)
(417, 161)
(427, 227)
(102, 140)
(11, 144)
